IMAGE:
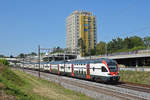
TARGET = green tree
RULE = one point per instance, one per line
(2, 56)
(57, 50)
(4, 62)
(147, 41)
(119, 43)
(115, 45)
(101, 48)
(109, 47)
(21, 55)
(127, 43)
(11, 56)
(33, 54)
(82, 47)
(136, 41)
(93, 52)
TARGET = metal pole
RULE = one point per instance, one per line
(90, 53)
(39, 59)
(64, 60)
(23, 64)
(106, 50)
(136, 64)
(48, 56)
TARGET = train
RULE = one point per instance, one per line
(101, 70)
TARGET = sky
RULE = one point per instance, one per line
(25, 24)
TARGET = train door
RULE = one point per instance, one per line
(50, 68)
(72, 70)
(88, 71)
(58, 72)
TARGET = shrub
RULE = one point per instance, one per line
(4, 62)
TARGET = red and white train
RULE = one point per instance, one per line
(103, 69)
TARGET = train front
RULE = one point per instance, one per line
(112, 70)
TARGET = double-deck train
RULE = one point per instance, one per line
(103, 69)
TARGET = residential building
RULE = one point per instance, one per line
(81, 25)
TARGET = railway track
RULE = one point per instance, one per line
(98, 90)
(137, 88)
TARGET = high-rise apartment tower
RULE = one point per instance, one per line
(81, 26)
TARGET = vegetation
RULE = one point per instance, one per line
(11, 56)
(101, 48)
(14, 85)
(135, 77)
(116, 45)
(22, 55)
(82, 47)
(2, 56)
(147, 41)
(121, 45)
(22, 86)
(4, 62)
(57, 50)
(127, 44)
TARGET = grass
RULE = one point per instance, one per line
(27, 87)
(14, 85)
(135, 77)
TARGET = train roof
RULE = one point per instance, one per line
(81, 61)
(57, 62)
(88, 61)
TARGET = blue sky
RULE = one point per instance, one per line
(24, 24)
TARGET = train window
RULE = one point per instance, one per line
(93, 69)
(104, 69)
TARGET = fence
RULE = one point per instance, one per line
(135, 69)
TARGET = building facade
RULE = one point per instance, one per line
(81, 26)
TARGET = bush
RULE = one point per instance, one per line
(4, 62)
(138, 48)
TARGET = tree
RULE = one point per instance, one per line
(136, 41)
(119, 43)
(33, 54)
(2, 56)
(101, 48)
(147, 41)
(115, 45)
(11, 56)
(57, 49)
(4, 62)
(93, 52)
(133, 43)
(82, 47)
(127, 43)
(21, 55)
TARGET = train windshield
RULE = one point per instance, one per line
(112, 65)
